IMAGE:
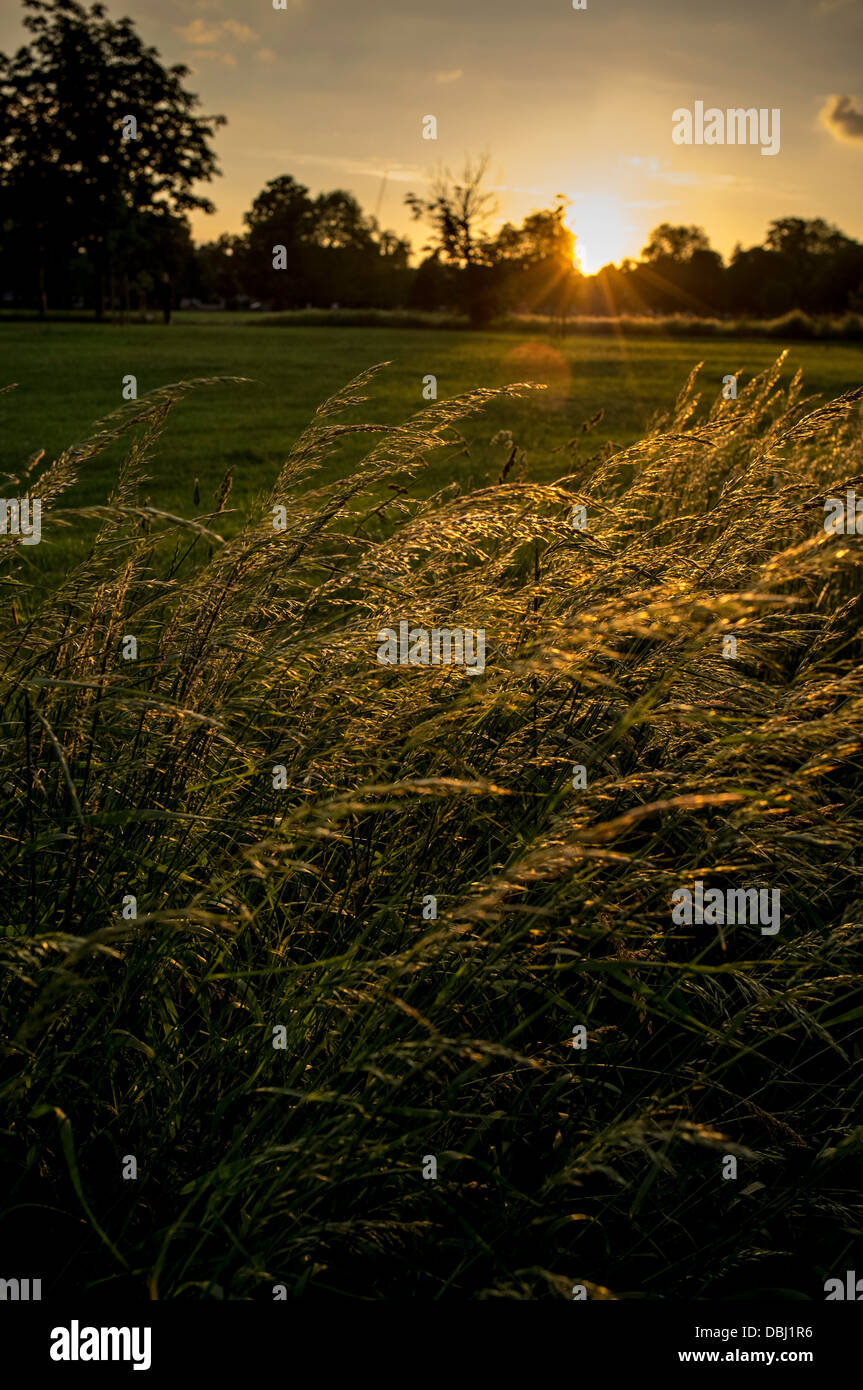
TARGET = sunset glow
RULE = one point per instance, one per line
(601, 230)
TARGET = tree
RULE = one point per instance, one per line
(333, 251)
(282, 206)
(338, 221)
(458, 211)
(679, 270)
(432, 286)
(281, 215)
(817, 263)
(803, 264)
(69, 180)
(221, 267)
(674, 243)
(155, 245)
(800, 237)
(537, 261)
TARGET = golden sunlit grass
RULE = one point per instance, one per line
(302, 908)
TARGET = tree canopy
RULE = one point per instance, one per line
(70, 178)
(104, 152)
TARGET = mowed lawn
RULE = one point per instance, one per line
(70, 375)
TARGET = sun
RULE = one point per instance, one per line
(601, 230)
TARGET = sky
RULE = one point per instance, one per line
(578, 102)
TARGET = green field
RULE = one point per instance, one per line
(70, 374)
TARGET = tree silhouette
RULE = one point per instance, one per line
(679, 271)
(669, 243)
(457, 212)
(69, 180)
(537, 261)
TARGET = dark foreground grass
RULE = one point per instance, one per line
(407, 1035)
(70, 374)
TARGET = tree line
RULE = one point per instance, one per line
(102, 151)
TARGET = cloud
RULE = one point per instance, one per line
(239, 31)
(199, 32)
(840, 116)
(451, 75)
(212, 55)
(396, 173)
(685, 178)
(266, 55)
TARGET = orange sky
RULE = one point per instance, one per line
(577, 102)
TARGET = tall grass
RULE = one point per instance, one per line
(302, 908)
